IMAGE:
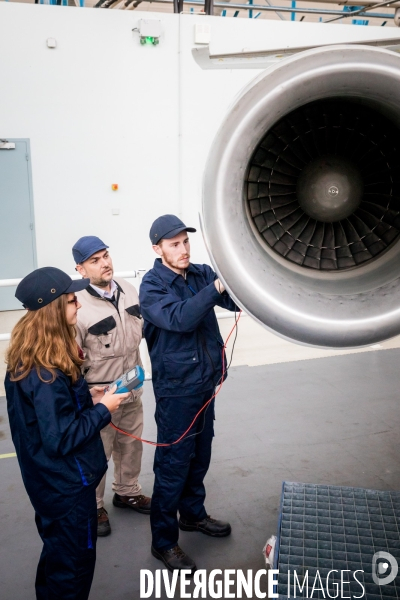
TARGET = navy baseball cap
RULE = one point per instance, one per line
(85, 247)
(167, 226)
(44, 285)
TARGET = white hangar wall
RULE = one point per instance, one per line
(95, 114)
(102, 109)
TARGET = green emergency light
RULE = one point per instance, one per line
(149, 40)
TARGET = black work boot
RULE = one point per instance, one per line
(175, 558)
(209, 526)
(103, 524)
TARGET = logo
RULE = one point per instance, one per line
(384, 568)
(333, 190)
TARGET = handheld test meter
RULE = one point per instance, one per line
(132, 380)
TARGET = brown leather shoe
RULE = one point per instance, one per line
(175, 559)
(103, 524)
(141, 504)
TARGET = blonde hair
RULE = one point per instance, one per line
(44, 339)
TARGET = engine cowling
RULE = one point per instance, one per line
(301, 197)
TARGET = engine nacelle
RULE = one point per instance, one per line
(301, 202)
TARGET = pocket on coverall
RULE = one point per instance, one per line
(104, 332)
(183, 368)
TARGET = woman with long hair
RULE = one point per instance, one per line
(55, 423)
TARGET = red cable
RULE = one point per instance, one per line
(202, 408)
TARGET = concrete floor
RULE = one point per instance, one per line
(331, 420)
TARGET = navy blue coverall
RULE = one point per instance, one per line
(55, 429)
(186, 351)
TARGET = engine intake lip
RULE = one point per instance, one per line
(341, 308)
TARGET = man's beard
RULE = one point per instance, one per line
(102, 283)
(174, 265)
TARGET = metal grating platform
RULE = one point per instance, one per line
(324, 528)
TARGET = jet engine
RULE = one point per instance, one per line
(301, 197)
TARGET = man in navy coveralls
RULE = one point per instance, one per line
(177, 300)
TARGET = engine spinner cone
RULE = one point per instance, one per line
(329, 189)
